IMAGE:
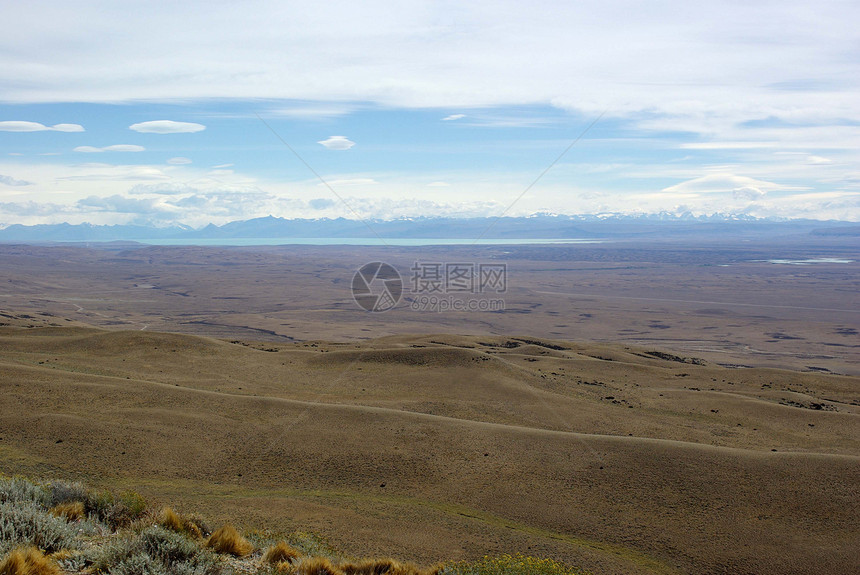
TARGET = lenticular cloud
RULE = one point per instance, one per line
(20, 126)
(167, 127)
(337, 143)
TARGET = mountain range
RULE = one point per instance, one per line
(534, 227)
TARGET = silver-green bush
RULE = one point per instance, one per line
(156, 551)
(24, 522)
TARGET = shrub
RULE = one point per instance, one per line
(317, 566)
(166, 545)
(24, 523)
(281, 553)
(71, 561)
(28, 561)
(155, 551)
(228, 540)
(137, 564)
(70, 510)
(100, 505)
(17, 489)
(65, 492)
(115, 512)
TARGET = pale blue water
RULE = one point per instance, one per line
(811, 261)
(359, 241)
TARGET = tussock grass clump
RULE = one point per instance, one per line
(386, 567)
(228, 540)
(316, 566)
(281, 552)
(29, 561)
(191, 526)
(70, 510)
(380, 567)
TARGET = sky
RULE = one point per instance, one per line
(166, 113)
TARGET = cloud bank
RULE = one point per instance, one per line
(10, 181)
(700, 64)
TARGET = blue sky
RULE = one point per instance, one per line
(421, 109)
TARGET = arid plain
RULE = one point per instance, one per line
(603, 418)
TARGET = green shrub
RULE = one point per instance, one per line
(101, 506)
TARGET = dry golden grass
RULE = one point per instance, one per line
(281, 553)
(317, 566)
(614, 411)
(29, 561)
(71, 510)
(228, 540)
(170, 519)
(383, 567)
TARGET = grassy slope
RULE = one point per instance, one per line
(446, 447)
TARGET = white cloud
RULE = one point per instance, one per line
(337, 143)
(167, 127)
(351, 182)
(321, 203)
(10, 181)
(728, 145)
(19, 126)
(67, 128)
(222, 166)
(453, 117)
(315, 111)
(438, 185)
(125, 205)
(114, 148)
(178, 161)
(724, 183)
(163, 189)
(708, 64)
(116, 175)
(748, 193)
